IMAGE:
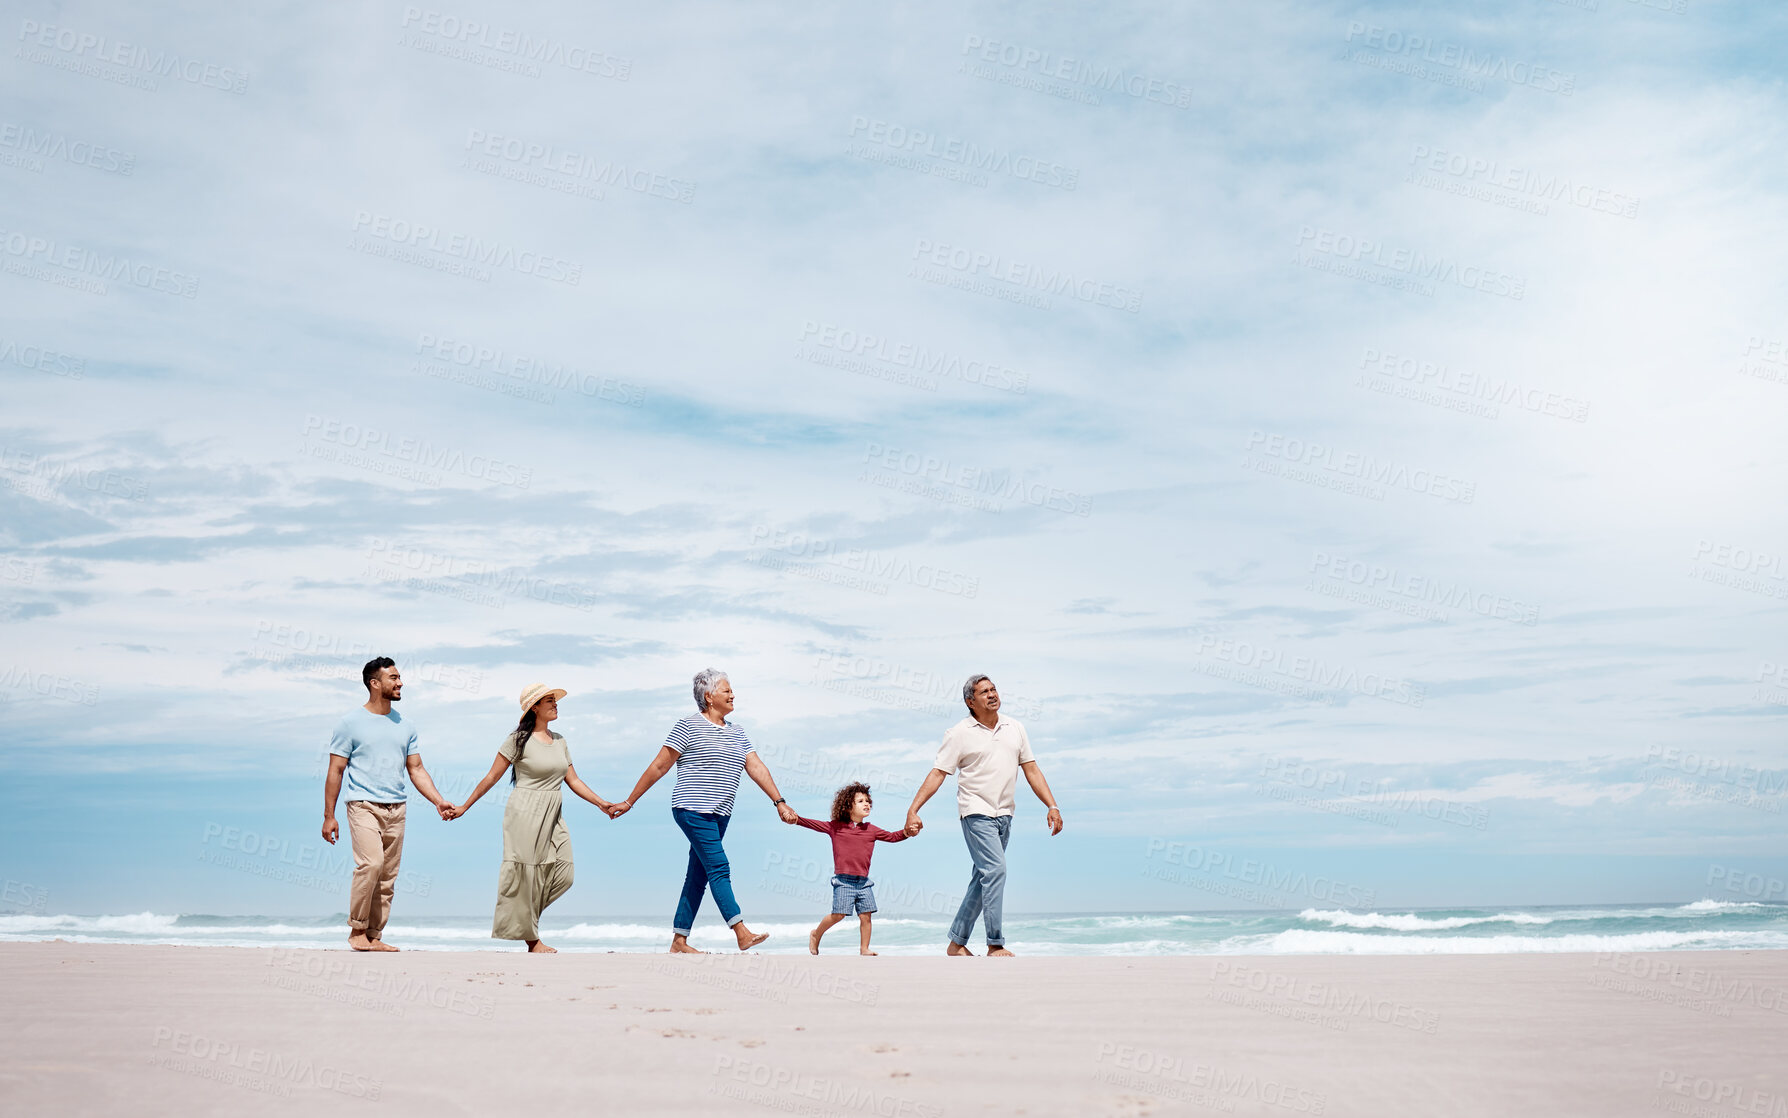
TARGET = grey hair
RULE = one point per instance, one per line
(968, 689)
(704, 683)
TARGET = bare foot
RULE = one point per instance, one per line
(538, 948)
(865, 951)
(813, 942)
(992, 951)
(748, 941)
(957, 949)
(680, 946)
(359, 942)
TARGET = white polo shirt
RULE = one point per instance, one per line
(985, 763)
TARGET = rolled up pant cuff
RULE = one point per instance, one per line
(684, 932)
(735, 920)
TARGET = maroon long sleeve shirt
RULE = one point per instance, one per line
(852, 843)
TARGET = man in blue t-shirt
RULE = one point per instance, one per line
(370, 751)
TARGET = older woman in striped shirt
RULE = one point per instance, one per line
(710, 753)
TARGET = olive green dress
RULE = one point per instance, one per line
(536, 846)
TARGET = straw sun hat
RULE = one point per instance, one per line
(534, 692)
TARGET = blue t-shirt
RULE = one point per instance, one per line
(709, 761)
(375, 746)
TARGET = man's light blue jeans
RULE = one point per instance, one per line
(987, 836)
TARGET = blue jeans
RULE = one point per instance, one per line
(708, 868)
(987, 836)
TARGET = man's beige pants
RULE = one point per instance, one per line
(377, 833)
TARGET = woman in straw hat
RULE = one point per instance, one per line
(536, 846)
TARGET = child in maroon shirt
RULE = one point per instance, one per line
(853, 841)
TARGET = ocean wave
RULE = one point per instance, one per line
(1726, 906)
(141, 923)
(1409, 922)
(1303, 942)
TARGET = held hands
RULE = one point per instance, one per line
(913, 826)
(448, 811)
(786, 813)
(615, 811)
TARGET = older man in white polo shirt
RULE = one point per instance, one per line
(985, 751)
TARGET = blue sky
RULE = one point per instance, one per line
(1350, 435)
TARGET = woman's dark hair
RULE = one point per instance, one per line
(841, 803)
(523, 731)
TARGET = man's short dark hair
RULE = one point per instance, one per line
(373, 667)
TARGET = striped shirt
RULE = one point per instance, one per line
(710, 760)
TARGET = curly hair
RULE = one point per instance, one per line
(841, 803)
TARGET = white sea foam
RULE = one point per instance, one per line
(1726, 906)
(1301, 942)
(1409, 922)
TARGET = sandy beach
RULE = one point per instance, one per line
(110, 1029)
